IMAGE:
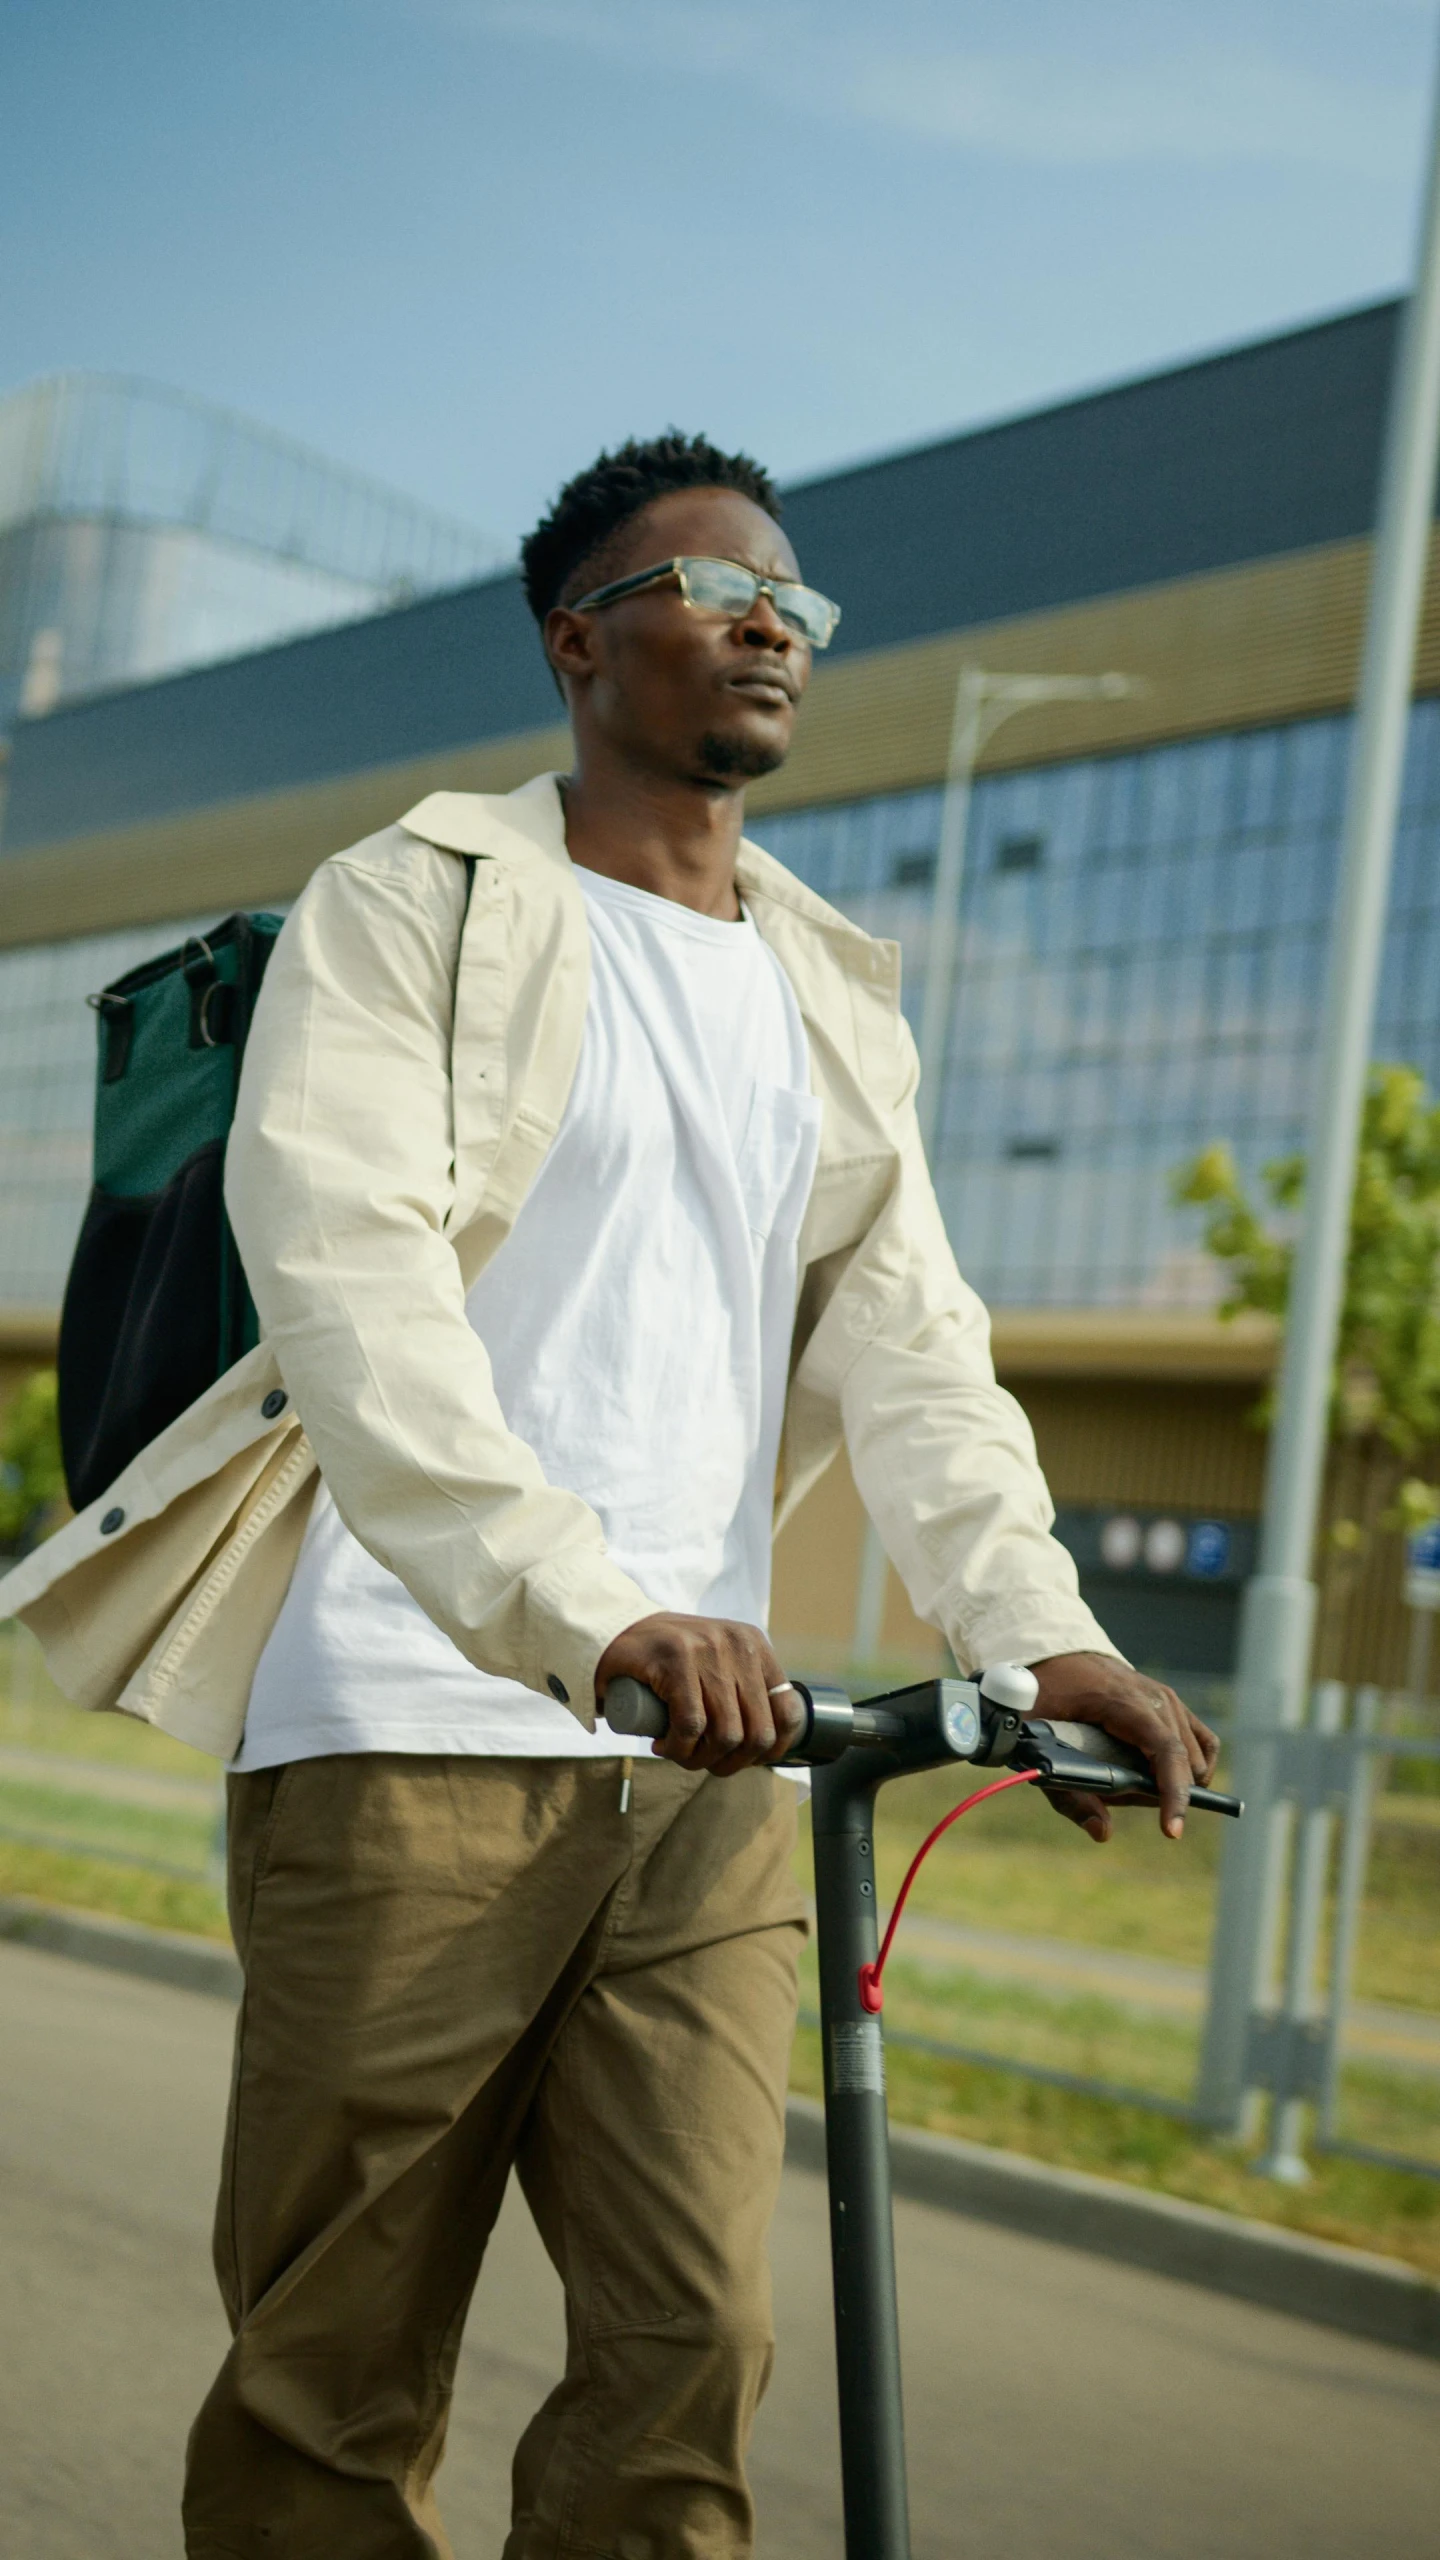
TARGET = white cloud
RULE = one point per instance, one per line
(1218, 106)
(1090, 86)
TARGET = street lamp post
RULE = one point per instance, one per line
(983, 700)
(1278, 1616)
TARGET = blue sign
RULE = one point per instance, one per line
(1424, 1548)
(1209, 1553)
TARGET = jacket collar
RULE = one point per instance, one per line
(519, 825)
(495, 826)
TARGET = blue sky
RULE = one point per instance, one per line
(460, 243)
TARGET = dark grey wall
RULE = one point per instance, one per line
(453, 668)
(1244, 456)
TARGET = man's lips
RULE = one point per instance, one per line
(766, 684)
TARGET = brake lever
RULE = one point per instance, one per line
(1085, 1758)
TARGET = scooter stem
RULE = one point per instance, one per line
(857, 2148)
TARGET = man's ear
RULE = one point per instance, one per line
(569, 645)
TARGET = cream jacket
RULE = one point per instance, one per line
(406, 1072)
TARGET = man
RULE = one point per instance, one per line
(576, 1176)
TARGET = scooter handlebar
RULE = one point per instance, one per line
(832, 1722)
(997, 1730)
(632, 1708)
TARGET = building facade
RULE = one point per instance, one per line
(141, 531)
(1144, 912)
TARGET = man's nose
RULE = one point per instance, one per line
(762, 627)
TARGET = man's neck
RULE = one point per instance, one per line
(675, 839)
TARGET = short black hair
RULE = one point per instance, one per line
(592, 508)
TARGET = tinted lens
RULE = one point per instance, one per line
(805, 610)
(722, 586)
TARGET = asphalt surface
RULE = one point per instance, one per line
(1060, 2407)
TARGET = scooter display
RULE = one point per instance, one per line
(853, 1748)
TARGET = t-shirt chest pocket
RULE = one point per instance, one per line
(776, 1158)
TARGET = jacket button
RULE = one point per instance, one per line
(112, 1521)
(275, 1402)
(557, 1688)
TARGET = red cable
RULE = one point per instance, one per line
(872, 1996)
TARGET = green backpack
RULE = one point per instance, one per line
(156, 1305)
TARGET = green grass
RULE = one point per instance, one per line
(1014, 1865)
(34, 1717)
(1083, 2032)
(1390, 2111)
(1348, 2201)
(153, 1833)
(82, 1883)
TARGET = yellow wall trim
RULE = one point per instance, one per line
(1029, 1342)
(240, 853)
(28, 1333)
(1132, 1342)
(1273, 640)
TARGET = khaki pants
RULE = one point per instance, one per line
(453, 1965)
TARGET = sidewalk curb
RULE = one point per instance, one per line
(1341, 2288)
(1369, 2296)
(125, 1946)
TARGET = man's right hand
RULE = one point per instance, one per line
(730, 1704)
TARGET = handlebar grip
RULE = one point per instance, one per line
(629, 1707)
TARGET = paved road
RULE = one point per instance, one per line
(1248, 2436)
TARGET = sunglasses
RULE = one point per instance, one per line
(722, 586)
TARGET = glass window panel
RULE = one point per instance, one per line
(1257, 781)
(1150, 984)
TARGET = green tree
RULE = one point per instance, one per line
(1385, 1401)
(32, 1477)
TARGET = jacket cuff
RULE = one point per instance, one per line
(1030, 1631)
(575, 1608)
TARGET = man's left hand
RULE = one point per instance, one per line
(1090, 1688)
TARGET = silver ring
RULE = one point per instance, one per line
(780, 1689)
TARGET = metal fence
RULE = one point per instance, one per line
(1300, 2044)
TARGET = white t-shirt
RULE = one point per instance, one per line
(638, 1321)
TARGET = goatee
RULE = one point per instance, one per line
(736, 759)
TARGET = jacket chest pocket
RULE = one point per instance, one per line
(776, 1159)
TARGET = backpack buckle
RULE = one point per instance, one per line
(117, 1022)
(212, 1001)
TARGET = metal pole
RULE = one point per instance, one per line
(1417, 1667)
(1278, 1616)
(944, 950)
(857, 2147)
(1349, 1899)
(983, 701)
(1285, 2158)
